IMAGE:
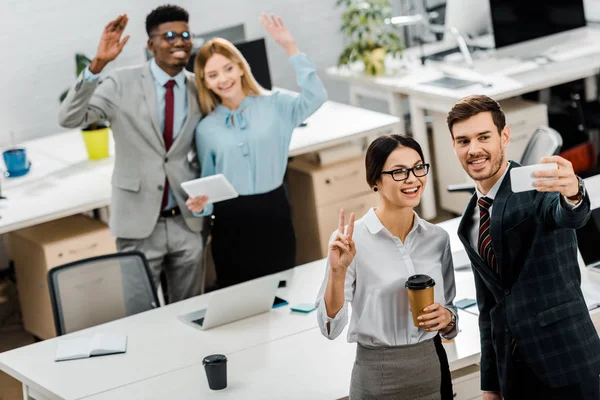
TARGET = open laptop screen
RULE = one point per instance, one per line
(588, 238)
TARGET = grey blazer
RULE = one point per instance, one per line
(127, 98)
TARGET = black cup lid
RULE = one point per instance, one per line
(418, 282)
(214, 359)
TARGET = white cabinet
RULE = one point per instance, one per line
(523, 117)
(466, 383)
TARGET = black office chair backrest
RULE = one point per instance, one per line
(100, 289)
(544, 142)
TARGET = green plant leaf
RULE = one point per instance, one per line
(81, 62)
(63, 95)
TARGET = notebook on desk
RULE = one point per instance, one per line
(100, 344)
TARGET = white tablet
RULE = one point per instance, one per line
(522, 179)
(216, 187)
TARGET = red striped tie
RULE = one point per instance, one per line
(484, 244)
(168, 132)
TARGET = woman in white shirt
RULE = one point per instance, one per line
(368, 266)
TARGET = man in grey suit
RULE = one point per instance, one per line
(537, 338)
(153, 111)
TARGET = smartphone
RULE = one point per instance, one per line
(304, 308)
(522, 179)
(279, 302)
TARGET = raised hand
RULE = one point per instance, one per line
(342, 249)
(111, 44)
(274, 25)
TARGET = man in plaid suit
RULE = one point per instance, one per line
(537, 337)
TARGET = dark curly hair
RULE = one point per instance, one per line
(165, 13)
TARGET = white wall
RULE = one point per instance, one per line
(40, 37)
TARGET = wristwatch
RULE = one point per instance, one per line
(579, 196)
(452, 318)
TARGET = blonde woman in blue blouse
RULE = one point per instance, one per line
(246, 136)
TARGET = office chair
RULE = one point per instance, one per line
(100, 289)
(544, 142)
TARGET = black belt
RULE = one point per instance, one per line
(170, 213)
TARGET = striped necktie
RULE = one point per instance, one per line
(484, 243)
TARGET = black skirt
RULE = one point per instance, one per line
(252, 236)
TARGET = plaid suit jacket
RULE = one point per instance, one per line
(536, 299)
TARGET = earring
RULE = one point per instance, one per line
(375, 189)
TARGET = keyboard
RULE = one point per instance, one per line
(571, 51)
(505, 66)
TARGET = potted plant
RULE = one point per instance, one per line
(369, 38)
(95, 135)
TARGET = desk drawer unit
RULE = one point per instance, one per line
(316, 195)
(37, 249)
(339, 181)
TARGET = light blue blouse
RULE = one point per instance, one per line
(250, 145)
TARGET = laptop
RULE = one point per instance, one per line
(588, 240)
(234, 303)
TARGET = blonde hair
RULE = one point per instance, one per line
(207, 98)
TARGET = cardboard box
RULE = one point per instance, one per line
(38, 249)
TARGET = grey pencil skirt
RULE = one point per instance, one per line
(410, 372)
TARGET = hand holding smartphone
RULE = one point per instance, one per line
(522, 178)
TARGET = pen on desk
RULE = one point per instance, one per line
(593, 306)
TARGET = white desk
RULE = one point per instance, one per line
(321, 369)
(63, 182)
(408, 83)
(158, 343)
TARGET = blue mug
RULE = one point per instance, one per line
(16, 162)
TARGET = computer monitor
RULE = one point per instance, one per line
(234, 33)
(517, 21)
(255, 52)
(470, 17)
(588, 238)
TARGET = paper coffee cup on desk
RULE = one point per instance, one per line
(420, 294)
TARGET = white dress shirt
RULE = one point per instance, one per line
(474, 236)
(375, 279)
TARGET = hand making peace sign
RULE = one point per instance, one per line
(342, 248)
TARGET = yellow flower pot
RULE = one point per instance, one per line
(96, 143)
(375, 62)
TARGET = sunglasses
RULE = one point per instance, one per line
(171, 37)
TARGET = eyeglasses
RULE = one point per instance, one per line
(401, 174)
(171, 37)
